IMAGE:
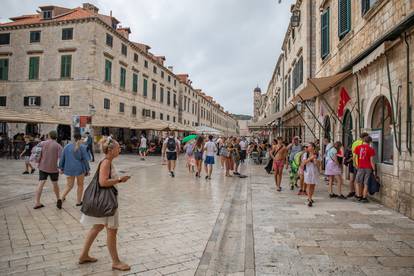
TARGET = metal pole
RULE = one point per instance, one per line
(359, 105)
(310, 110)
(326, 102)
(303, 119)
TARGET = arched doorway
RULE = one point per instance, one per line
(32, 129)
(347, 128)
(64, 133)
(327, 131)
(382, 122)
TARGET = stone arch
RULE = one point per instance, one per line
(371, 101)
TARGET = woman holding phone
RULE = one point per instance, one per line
(108, 177)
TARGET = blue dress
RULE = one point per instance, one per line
(74, 163)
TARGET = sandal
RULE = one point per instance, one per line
(39, 206)
(88, 260)
(121, 267)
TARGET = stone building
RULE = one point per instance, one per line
(77, 61)
(362, 49)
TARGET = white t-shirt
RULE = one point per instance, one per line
(243, 145)
(143, 142)
(177, 143)
(210, 148)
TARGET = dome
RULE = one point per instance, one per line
(257, 89)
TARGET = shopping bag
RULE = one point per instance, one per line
(99, 201)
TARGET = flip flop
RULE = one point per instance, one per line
(91, 260)
(39, 206)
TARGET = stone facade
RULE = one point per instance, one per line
(88, 86)
(376, 50)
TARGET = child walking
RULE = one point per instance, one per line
(311, 171)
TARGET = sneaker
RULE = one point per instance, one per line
(341, 196)
(172, 174)
(25, 172)
(333, 195)
(310, 203)
(351, 194)
(364, 200)
(33, 171)
(59, 204)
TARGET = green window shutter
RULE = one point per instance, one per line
(145, 87)
(325, 33)
(108, 71)
(34, 68)
(123, 76)
(65, 66)
(134, 82)
(344, 17)
(4, 69)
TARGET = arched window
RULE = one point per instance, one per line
(382, 120)
(347, 128)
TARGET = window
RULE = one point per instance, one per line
(3, 100)
(124, 49)
(34, 36)
(121, 107)
(169, 78)
(134, 110)
(325, 33)
(64, 100)
(298, 74)
(161, 116)
(135, 57)
(134, 83)
(382, 121)
(67, 34)
(107, 104)
(109, 40)
(4, 69)
(146, 63)
(153, 114)
(168, 117)
(154, 69)
(293, 33)
(108, 71)
(154, 91)
(162, 94)
(5, 39)
(122, 80)
(32, 101)
(34, 68)
(145, 88)
(175, 82)
(289, 86)
(344, 17)
(174, 119)
(65, 66)
(366, 5)
(47, 14)
(175, 100)
(168, 98)
(185, 103)
(162, 74)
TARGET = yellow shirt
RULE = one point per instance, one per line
(355, 144)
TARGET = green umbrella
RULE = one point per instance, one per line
(189, 138)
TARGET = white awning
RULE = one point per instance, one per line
(379, 51)
(35, 116)
(322, 84)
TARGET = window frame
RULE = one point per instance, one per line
(145, 88)
(34, 39)
(121, 107)
(109, 41)
(4, 74)
(64, 100)
(3, 100)
(124, 49)
(7, 39)
(135, 81)
(107, 104)
(108, 71)
(347, 28)
(67, 31)
(122, 78)
(325, 31)
(63, 67)
(34, 70)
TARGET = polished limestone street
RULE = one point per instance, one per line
(189, 226)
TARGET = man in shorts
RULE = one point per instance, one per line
(143, 147)
(366, 166)
(354, 191)
(48, 162)
(171, 148)
(210, 149)
(278, 154)
(293, 148)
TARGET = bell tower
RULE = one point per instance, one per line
(257, 103)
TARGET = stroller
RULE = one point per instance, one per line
(255, 156)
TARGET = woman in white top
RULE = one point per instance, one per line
(311, 166)
(107, 178)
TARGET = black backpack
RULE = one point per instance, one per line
(171, 146)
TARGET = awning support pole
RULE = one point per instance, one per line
(310, 110)
(325, 101)
(303, 119)
(392, 104)
(359, 105)
(408, 138)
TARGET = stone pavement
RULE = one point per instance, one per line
(187, 226)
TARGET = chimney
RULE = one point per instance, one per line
(124, 31)
(170, 68)
(90, 7)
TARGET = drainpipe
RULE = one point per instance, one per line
(409, 107)
(359, 104)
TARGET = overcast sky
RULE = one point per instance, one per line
(226, 46)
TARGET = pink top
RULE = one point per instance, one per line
(51, 151)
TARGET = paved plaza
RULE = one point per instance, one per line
(189, 226)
